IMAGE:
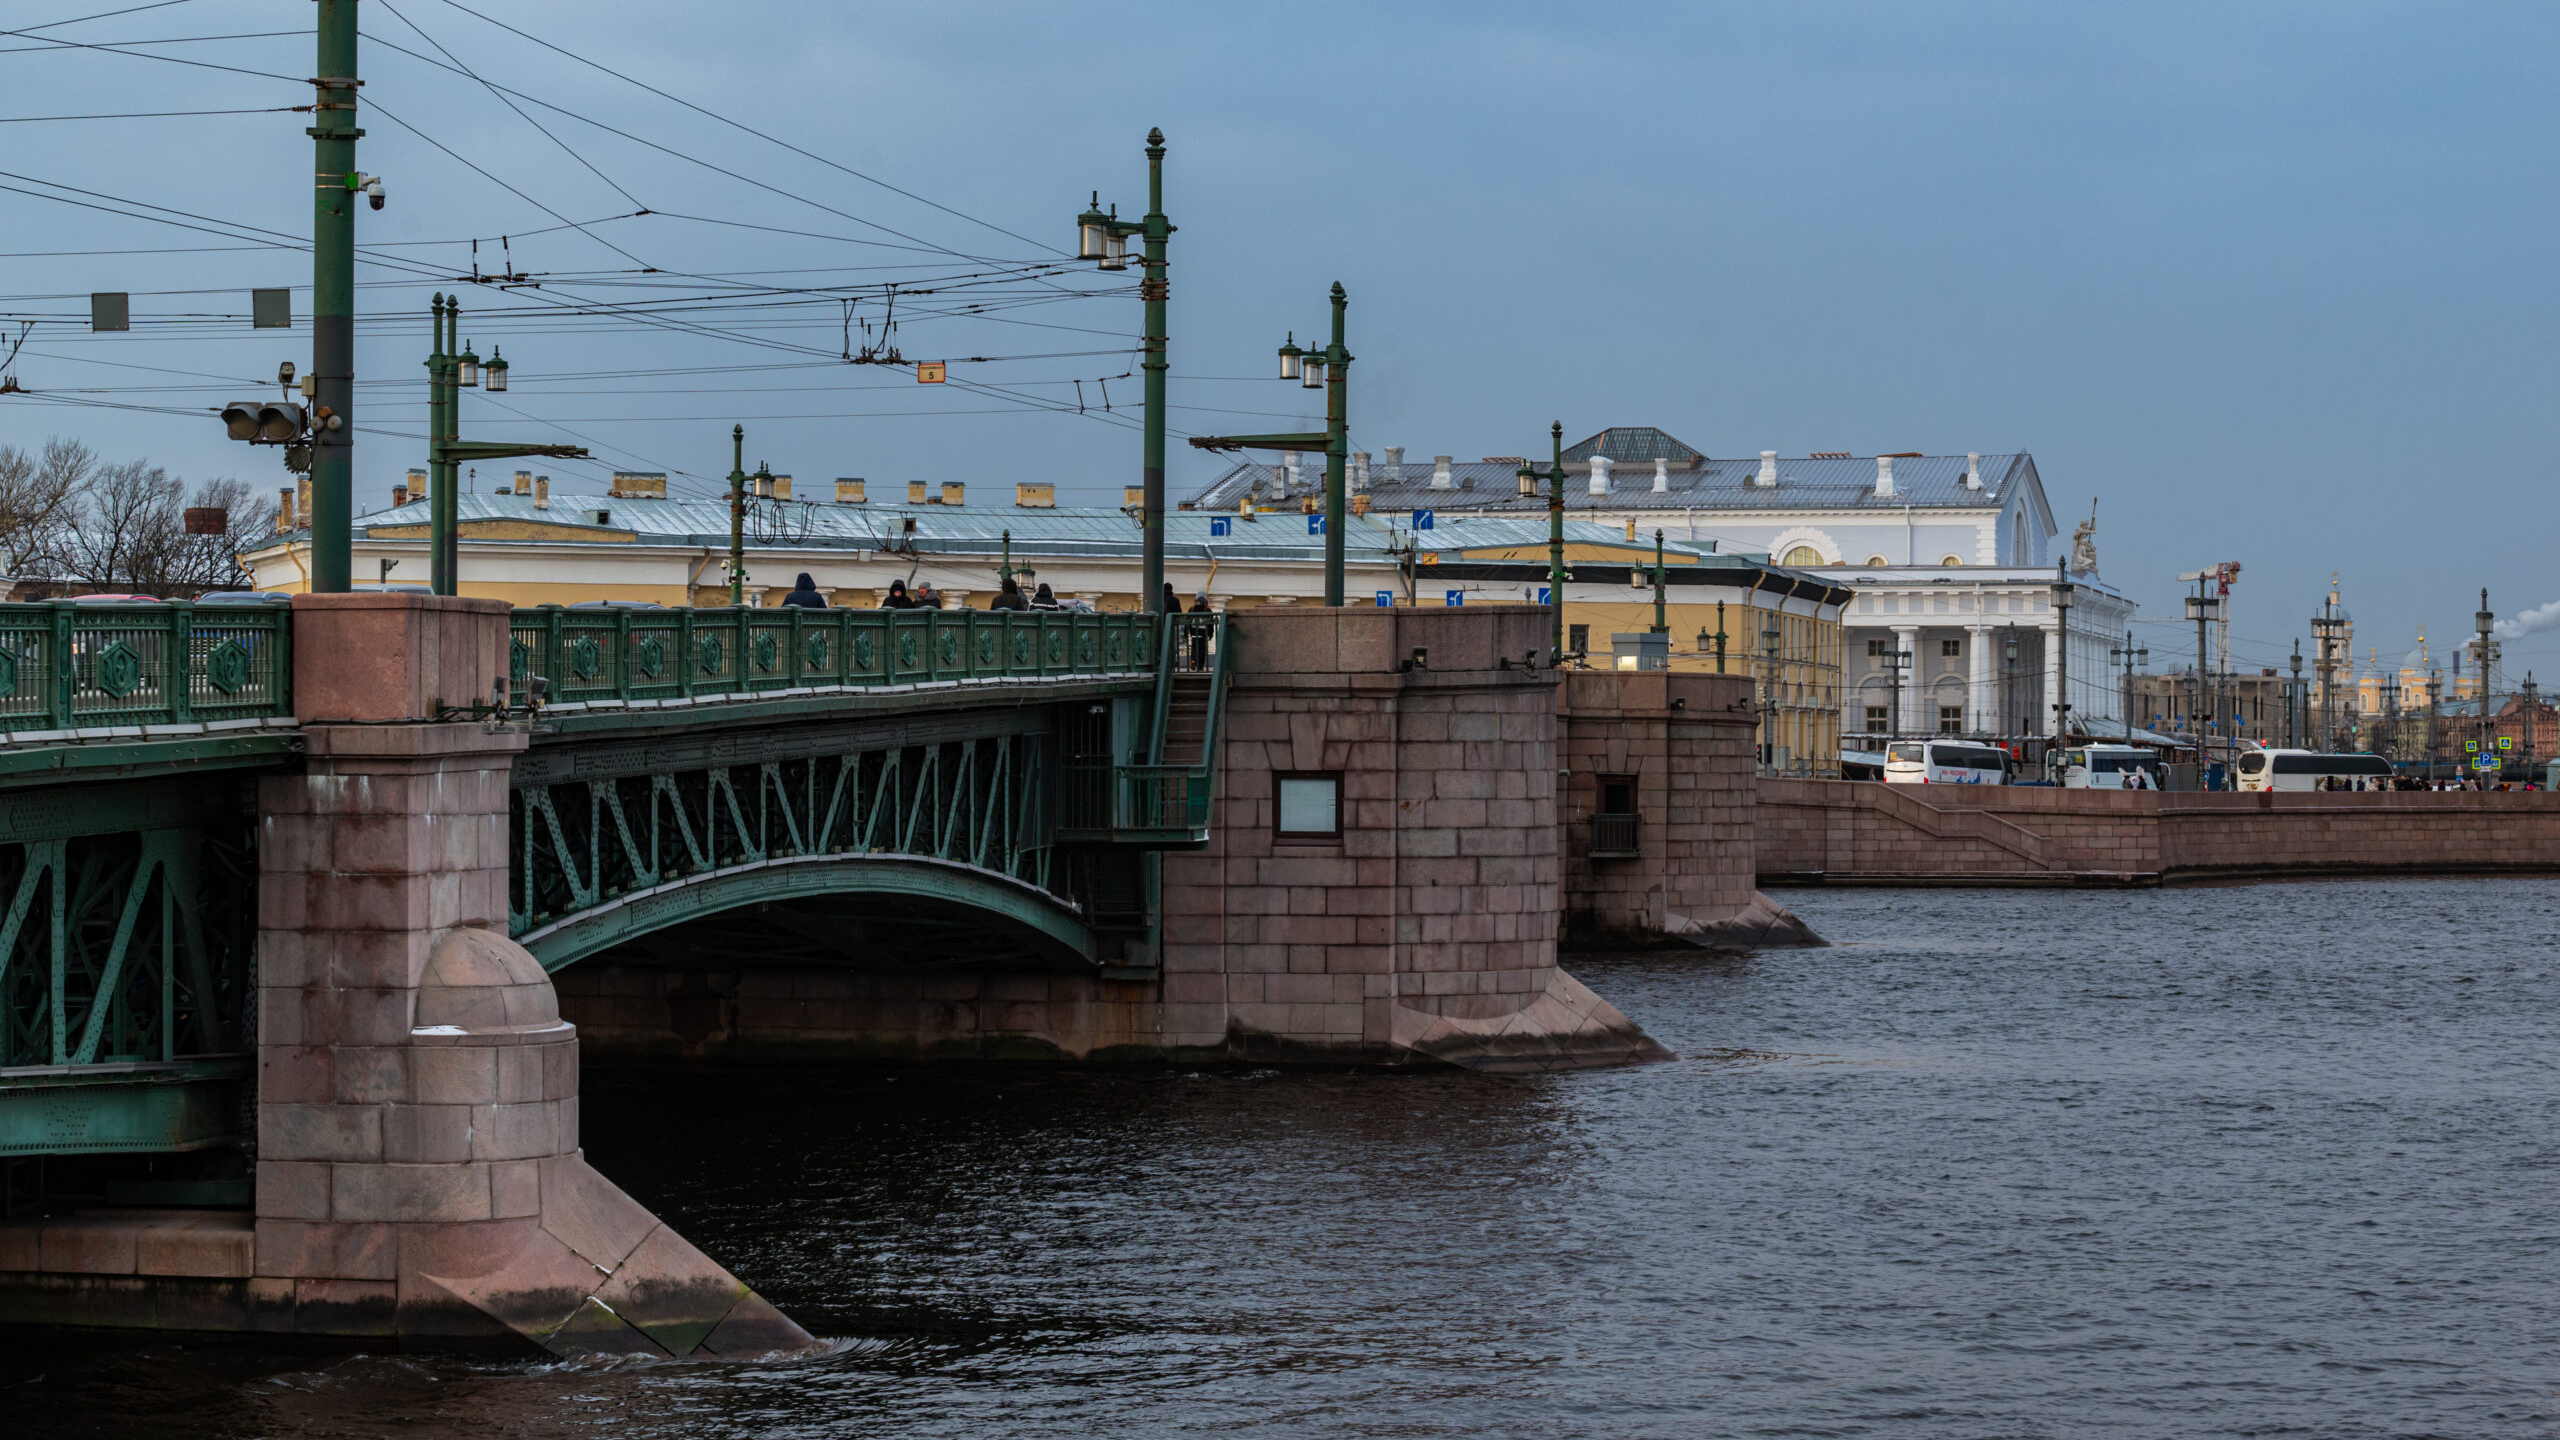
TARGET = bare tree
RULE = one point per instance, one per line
(38, 495)
(128, 533)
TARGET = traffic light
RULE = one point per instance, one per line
(264, 422)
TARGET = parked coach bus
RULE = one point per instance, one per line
(1944, 762)
(2306, 769)
(2110, 767)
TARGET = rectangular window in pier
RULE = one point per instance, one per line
(1308, 808)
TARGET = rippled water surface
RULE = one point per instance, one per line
(2268, 1160)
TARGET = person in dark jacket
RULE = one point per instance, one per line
(927, 598)
(1199, 636)
(1172, 602)
(897, 599)
(805, 594)
(1041, 599)
(1009, 597)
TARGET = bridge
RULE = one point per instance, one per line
(313, 907)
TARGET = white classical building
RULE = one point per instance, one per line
(1954, 559)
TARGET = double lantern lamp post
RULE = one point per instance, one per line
(1103, 238)
(1327, 369)
(453, 367)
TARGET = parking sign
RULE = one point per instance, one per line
(1422, 519)
(1456, 597)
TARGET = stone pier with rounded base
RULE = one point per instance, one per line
(418, 1176)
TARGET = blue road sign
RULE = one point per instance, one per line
(1220, 526)
(1386, 598)
(1422, 519)
(1315, 524)
(1546, 595)
(1456, 597)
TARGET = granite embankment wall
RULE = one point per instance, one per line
(1811, 831)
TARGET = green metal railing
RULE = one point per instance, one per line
(1163, 801)
(634, 654)
(65, 665)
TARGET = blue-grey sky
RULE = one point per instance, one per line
(2269, 282)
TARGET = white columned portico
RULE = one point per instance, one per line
(2053, 656)
(1981, 704)
(1906, 638)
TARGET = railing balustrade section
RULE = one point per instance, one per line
(65, 665)
(622, 654)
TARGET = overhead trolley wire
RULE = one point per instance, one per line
(739, 125)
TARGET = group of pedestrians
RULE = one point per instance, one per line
(806, 595)
(2412, 782)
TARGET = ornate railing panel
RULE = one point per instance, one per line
(65, 665)
(590, 656)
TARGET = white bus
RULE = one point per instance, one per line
(1944, 762)
(2306, 769)
(2110, 767)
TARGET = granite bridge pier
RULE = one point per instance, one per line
(310, 916)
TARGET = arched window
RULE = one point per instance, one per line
(1803, 555)
(1953, 562)
(2018, 539)
(1877, 562)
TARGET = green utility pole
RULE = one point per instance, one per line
(333, 135)
(1103, 237)
(1659, 627)
(1310, 368)
(1720, 637)
(1007, 572)
(1153, 291)
(1554, 476)
(738, 515)
(452, 369)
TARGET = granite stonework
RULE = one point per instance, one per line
(1424, 933)
(1830, 831)
(418, 1176)
(1685, 739)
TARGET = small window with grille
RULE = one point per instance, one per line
(1951, 648)
(1950, 719)
(1877, 719)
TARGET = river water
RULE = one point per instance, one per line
(2260, 1160)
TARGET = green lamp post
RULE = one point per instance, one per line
(1329, 370)
(1554, 477)
(1102, 237)
(452, 368)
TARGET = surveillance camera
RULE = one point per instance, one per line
(373, 192)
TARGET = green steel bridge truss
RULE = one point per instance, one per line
(125, 975)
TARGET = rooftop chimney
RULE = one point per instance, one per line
(1973, 469)
(1599, 474)
(1395, 464)
(954, 492)
(524, 482)
(1767, 479)
(1359, 469)
(417, 486)
(1661, 477)
(915, 492)
(781, 487)
(1440, 473)
(1884, 476)
(638, 484)
(399, 496)
(541, 492)
(284, 508)
(1035, 495)
(849, 491)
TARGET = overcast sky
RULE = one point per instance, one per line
(2267, 282)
